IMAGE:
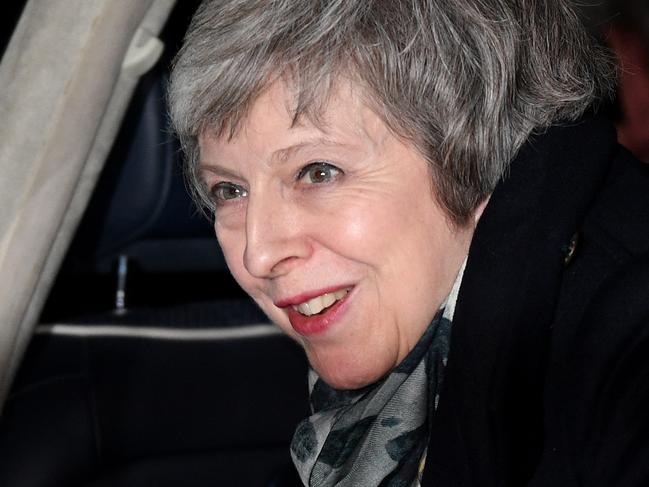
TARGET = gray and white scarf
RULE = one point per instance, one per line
(377, 435)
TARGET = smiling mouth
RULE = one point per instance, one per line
(321, 303)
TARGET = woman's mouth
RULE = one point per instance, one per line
(317, 314)
(319, 304)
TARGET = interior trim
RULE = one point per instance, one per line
(255, 330)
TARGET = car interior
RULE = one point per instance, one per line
(128, 354)
(148, 364)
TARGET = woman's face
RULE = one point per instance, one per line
(334, 231)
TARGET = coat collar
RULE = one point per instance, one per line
(488, 426)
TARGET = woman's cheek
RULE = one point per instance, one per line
(365, 226)
(232, 240)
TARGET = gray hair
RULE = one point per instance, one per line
(465, 81)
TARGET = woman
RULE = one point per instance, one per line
(384, 172)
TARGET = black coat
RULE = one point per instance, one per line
(547, 382)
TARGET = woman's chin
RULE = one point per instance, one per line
(343, 374)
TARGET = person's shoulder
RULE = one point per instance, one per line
(597, 389)
(598, 394)
(609, 373)
(614, 324)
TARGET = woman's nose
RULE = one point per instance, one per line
(275, 237)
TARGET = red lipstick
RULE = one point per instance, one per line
(318, 323)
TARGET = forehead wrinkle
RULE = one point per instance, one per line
(360, 119)
(372, 127)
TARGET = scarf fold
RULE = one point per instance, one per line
(377, 435)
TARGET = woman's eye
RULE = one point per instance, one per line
(318, 173)
(223, 192)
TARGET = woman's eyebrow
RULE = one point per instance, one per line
(218, 170)
(279, 156)
(282, 155)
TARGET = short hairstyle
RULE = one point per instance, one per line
(465, 81)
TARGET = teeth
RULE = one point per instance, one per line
(317, 304)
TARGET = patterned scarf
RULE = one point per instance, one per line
(377, 435)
